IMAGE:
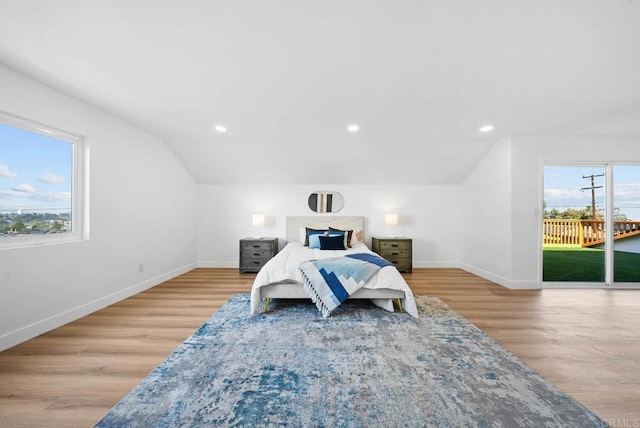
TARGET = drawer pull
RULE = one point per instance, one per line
(256, 246)
(395, 245)
(394, 254)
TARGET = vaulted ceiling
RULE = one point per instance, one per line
(286, 78)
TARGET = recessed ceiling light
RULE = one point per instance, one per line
(221, 129)
(486, 128)
(353, 127)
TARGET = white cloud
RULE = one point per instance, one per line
(568, 198)
(24, 187)
(51, 179)
(6, 173)
(627, 199)
(14, 194)
(564, 195)
(59, 196)
(627, 191)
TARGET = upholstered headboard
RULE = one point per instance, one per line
(323, 222)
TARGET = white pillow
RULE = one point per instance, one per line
(356, 236)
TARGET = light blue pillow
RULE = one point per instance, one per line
(309, 232)
(314, 239)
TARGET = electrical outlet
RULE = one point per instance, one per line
(140, 267)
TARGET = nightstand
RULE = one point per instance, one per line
(255, 252)
(396, 250)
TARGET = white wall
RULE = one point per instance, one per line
(486, 237)
(430, 215)
(141, 211)
(489, 225)
(529, 153)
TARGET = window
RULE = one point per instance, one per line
(41, 176)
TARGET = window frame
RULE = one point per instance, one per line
(79, 197)
(609, 244)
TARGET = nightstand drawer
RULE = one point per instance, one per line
(403, 265)
(258, 253)
(256, 246)
(395, 245)
(395, 259)
(261, 257)
(396, 253)
(251, 264)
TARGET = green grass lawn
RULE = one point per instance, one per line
(587, 265)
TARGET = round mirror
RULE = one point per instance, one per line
(326, 202)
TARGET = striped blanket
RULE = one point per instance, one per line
(329, 282)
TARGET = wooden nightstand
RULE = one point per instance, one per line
(255, 252)
(396, 250)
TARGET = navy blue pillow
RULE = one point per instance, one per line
(332, 243)
(348, 232)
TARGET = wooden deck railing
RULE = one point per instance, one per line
(584, 233)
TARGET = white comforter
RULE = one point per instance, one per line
(284, 268)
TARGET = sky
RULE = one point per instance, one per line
(562, 188)
(35, 171)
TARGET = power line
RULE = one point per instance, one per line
(593, 188)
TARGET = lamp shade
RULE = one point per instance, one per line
(391, 219)
(257, 219)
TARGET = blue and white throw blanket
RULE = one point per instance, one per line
(329, 282)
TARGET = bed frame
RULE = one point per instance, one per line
(322, 222)
(288, 290)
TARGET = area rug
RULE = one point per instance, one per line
(361, 367)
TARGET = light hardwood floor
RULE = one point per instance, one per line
(587, 342)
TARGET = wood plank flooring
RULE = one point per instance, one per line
(587, 342)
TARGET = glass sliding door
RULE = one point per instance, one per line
(626, 224)
(573, 229)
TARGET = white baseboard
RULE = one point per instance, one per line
(500, 280)
(218, 264)
(524, 285)
(29, 332)
(436, 265)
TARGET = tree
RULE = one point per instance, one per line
(570, 213)
(583, 214)
(57, 226)
(618, 216)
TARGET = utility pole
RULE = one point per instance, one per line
(593, 188)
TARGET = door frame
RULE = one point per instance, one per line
(609, 247)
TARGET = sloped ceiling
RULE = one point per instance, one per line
(287, 77)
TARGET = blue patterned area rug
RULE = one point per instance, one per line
(361, 367)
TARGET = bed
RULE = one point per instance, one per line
(280, 278)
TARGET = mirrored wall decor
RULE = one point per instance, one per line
(326, 202)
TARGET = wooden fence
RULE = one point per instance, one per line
(584, 233)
